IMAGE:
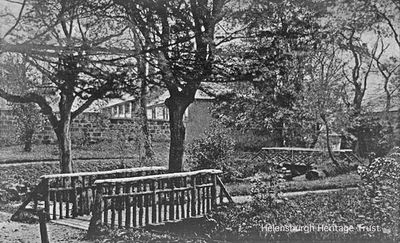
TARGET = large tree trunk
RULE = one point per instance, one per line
(148, 149)
(177, 109)
(64, 145)
(63, 132)
(148, 152)
(278, 135)
(328, 143)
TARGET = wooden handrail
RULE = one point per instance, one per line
(71, 195)
(303, 149)
(155, 199)
(157, 177)
(154, 168)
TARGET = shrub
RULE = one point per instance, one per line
(29, 120)
(246, 223)
(381, 190)
(372, 135)
(251, 143)
(212, 151)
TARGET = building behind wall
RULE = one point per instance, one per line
(197, 117)
(121, 116)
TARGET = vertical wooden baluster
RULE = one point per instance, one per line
(203, 199)
(74, 197)
(221, 195)
(199, 182)
(140, 203)
(90, 193)
(66, 194)
(193, 199)
(134, 204)
(177, 197)
(154, 202)
(171, 200)
(119, 203)
(54, 194)
(165, 206)
(80, 203)
(87, 201)
(60, 193)
(106, 190)
(160, 199)
(146, 204)
(46, 196)
(111, 188)
(208, 198)
(188, 202)
(127, 205)
(214, 191)
(182, 202)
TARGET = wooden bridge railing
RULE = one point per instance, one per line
(302, 155)
(156, 199)
(72, 195)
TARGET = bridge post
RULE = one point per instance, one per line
(95, 221)
(214, 191)
(74, 197)
(46, 186)
(193, 206)
(43, 227)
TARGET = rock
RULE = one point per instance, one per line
(315, 175)
(10, 192)
(3, 196)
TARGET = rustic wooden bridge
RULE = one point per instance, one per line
(295, 155)
(134, 197)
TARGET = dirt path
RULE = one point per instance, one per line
(11, 232)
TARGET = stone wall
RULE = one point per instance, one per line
(7, 128)
(86, 128)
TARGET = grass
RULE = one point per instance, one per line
(30, 173)
(300, 184)
(97, 151)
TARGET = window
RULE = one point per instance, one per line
(165, 114)
(121, 110)
(149, 113)
(127, 110)
(153, 113)
(114, 111)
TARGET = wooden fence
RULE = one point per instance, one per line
(72, 195)
(156, 199)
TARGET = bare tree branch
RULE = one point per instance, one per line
(18, 19)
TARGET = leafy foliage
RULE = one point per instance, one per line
(212, 151)
(271, 57)
(372, 135)
(381, 189)
(28, 120)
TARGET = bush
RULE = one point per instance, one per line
(372, 135)
(381, 190)
(251, 143)
(212, 151)
(247, 223)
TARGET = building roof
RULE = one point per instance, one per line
(123, 99)
(207, 91)
(200, 95)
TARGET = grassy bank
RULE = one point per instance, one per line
(300, 184)
(98, 151)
